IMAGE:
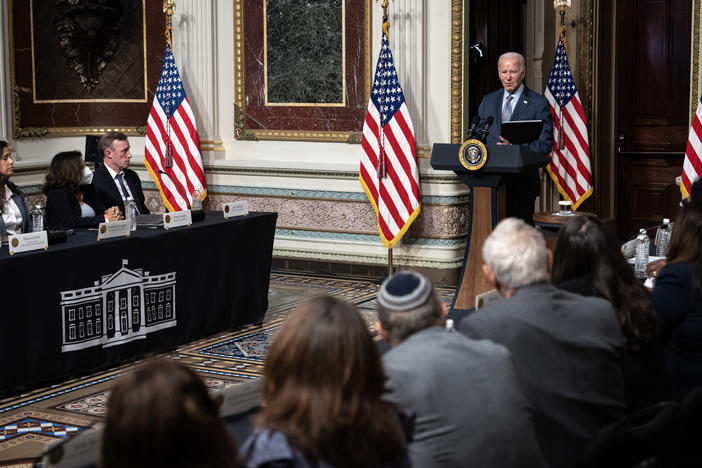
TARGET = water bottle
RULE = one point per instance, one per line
(197, 200)
(642, 246)
(130, 208)
(449, 325)
(37, 219)
(663, 238)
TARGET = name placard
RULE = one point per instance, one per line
(177, 218)
(27, 242)
(236, 208)
(481, 300)
(114, 229)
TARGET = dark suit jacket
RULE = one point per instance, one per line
(18, 198)
(469, 409)
(107, 190)
(567, 350)
(63, 209)
(531, 106)
(678, 304)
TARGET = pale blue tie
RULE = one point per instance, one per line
(507, 109)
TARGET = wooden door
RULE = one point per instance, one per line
(652, 83)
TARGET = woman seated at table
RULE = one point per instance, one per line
(14, 217)
(322, 389)
(587, 261)
(677, 296)
(71, 199)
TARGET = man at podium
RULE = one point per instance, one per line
(517, 102)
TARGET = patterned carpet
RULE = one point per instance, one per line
(31, 421)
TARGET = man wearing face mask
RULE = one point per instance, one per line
(71, 198)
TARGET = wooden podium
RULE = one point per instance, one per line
(487, 205)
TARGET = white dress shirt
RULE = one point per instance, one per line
(114, 175)
(11, 214)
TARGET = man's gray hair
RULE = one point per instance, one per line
(517, 55)
(406, 304)
(517, 254)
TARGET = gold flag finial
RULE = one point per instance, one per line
(168, 9)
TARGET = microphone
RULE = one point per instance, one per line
(484, 132)
(177, 186)
(471, 131)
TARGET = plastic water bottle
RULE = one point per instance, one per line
(37, 219)
(663, 238)
(642, 245)
(449, 325)
(197, 200)
(130, 208)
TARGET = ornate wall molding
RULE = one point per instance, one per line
(456, 71)
(5, 129)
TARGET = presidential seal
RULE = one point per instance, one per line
(472, 154)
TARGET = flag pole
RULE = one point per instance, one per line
(381, 162)
(168, 9)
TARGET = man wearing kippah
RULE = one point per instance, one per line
(469, 409)
(567, 348)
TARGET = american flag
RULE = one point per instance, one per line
(388, 171)
(692, 167)
(172, 144)
(570, 159)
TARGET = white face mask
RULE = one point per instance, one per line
(87, 176)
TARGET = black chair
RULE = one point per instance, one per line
(646, 438)
(691, 450)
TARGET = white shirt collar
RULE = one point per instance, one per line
(515, 94)
(112, 172)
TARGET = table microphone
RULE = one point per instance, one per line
(484, 132)
(177, 186)
(471, 131)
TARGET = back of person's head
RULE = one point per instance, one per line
(323, 385)
(65, 170)
(686, 239)
(406, 304)
(586, 247)
(516, 254)
(107, 139)
(161, 415)
(696, 191)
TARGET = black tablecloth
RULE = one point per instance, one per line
(88, 304)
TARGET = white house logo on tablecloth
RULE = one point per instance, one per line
(117, 309)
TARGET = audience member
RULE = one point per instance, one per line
(14, 217)
(587, 261)
(162, 416)
(113, 181)
(566, 348)
(71, 200)
(322, 393)
(464, 393)
(677, 296)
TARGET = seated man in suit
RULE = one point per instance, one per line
(567, 348)
(469, 409)
(113, 181)
(514, 101)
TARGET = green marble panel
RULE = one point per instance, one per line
(304, 47)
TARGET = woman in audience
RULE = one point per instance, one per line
(677, 295)
(162, 416)
(71, 199)
(587, 261)
(14, 217)
(322, 393)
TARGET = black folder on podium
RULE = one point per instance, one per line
(504, 162)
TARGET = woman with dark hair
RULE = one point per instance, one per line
(677, 296)
(322, 393)
(14, 217)
(162, 416)
(71, 199)
(587, 261)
